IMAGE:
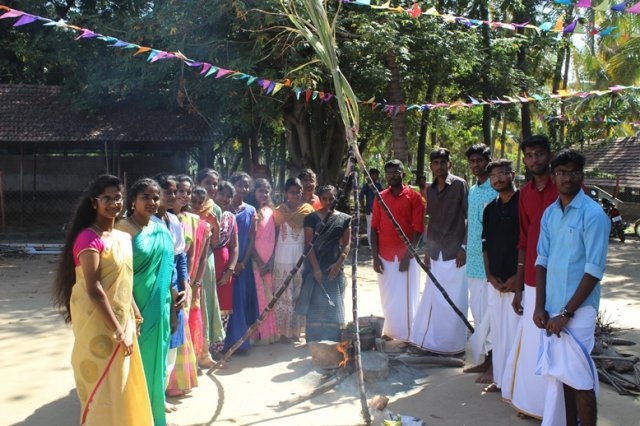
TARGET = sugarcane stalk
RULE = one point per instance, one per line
(278, 294)
(355, 238)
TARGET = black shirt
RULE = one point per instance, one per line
(500, 235)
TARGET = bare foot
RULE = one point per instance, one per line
(480, 368)
(491, 388)
(169, 408)
(485, 379)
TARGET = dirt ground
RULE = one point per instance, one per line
(39, 386)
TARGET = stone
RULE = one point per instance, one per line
(324, 354)
(375, 366)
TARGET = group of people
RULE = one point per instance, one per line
(166, 277)
(528, 264)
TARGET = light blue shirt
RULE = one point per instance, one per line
(479, 197)
(571, 243)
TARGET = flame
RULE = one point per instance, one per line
(342, 348)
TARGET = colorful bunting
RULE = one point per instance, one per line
(272, 87)
(415, 11)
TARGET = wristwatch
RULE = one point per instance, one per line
(565, 313)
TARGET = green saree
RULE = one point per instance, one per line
(152, 269)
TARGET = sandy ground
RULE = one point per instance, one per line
(39, 386)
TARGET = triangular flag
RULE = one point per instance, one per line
(152, 55)
(142, 50)
(277, 88)
(86, 34)
(569, 28)
(583, 3)
(559, 25)
(251, 80)
(12, 13)
(620, 7)
(432, 12)
(382, 6)
(415, 11)
(566, 2)
(24, 20)
(603, 6)
(205, 68)
(212, 70)
(222, 72)
(119, 43)
(607, 31)
(272, 85)
(546, 26)
(362, 2)
(633, 9)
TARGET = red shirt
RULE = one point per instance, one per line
(408, 210)
(532, 205)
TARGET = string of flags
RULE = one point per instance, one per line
(597, 120)
(271, 87)
(577, 26)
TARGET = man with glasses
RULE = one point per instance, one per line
(436, 327)
(572, 253)
(398, 272)
(480, 194)
(522, 387)
(500, 232)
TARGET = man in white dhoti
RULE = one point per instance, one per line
(480, 194)
(572, 253)
(398, 272)
(521, 386)
(500, 232)
(436, 326)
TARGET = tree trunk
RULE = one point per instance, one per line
(486, 90)
(315, 138)
(424, 125)
(398, 120)
(503, 136)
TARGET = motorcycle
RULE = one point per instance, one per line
(617, 225)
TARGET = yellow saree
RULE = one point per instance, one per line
(111, 387)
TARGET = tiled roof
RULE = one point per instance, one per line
(620, 157)
(31, 113)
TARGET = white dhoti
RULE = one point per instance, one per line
(521, 386)
(436, 326)
(567, 360)
(480, 340)
(504, 325)
(399, 292)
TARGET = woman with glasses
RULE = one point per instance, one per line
(93, 288)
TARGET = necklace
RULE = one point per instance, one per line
(135, 222)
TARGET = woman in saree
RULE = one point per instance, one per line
(289, 217)
(204, 206)
(245, 301)
(262, 257)
(322, 296)
(184, 376)
(152, 270)
(226, 257)
(93, 289)
(180, 277)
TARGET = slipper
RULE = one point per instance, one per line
(491, 388)
(485, 379)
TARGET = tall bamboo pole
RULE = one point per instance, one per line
(355, 242)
